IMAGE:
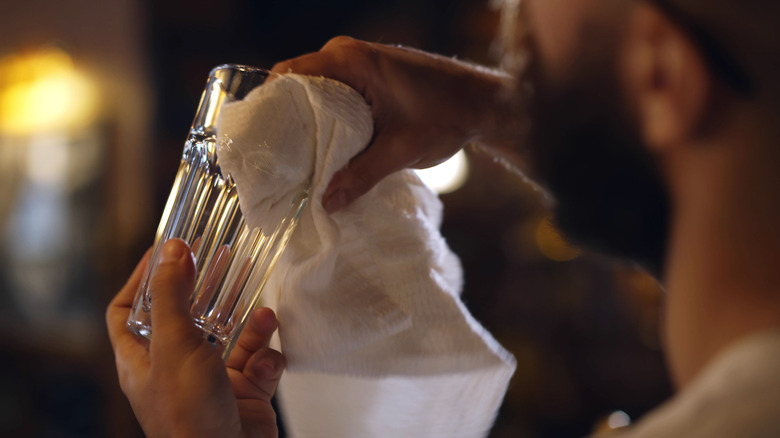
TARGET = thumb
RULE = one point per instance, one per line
(383, 157)
(170, 288)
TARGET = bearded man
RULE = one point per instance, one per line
(654, 124)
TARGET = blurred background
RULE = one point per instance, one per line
(96, 97)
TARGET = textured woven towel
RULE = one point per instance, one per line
(377, 340)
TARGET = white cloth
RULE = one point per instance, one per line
(738, 395)
(265, 143)
(377, 340)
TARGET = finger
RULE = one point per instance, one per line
(195, 246)
(336, 60)
(383, 157)
(129, 349)
(170, 288)
(264, 369)
(256, 335)
(119, 308)
(126, 295)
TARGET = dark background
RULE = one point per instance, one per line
(584, 331)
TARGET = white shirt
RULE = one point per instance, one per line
(737, 395)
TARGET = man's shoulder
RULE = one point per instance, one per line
(737, 395)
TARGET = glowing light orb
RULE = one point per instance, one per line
(447, 176)
(42, 92)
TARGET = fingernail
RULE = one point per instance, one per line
(263, 318)
(171, 251)
(268, 365)
(335, 201)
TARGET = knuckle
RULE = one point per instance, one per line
(338, 42)
(126, 381)
(285, 66)
(125, 386)
(350, 51)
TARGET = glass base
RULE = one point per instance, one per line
(140, 329)
(210, 333)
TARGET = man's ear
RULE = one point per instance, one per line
(665, 77)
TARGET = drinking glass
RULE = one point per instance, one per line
(232, 261)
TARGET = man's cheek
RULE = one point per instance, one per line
(556, 28)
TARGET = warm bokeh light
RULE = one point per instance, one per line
(447, 176)
(552, 244)
(43, 91)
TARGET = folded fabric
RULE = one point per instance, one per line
(377, 340)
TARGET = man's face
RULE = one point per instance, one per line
(585, 147)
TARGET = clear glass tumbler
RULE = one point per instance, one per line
(233, 261)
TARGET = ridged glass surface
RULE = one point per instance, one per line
(233, 262)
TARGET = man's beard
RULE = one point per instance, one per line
(587, 151)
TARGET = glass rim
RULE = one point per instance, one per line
(241, 68)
